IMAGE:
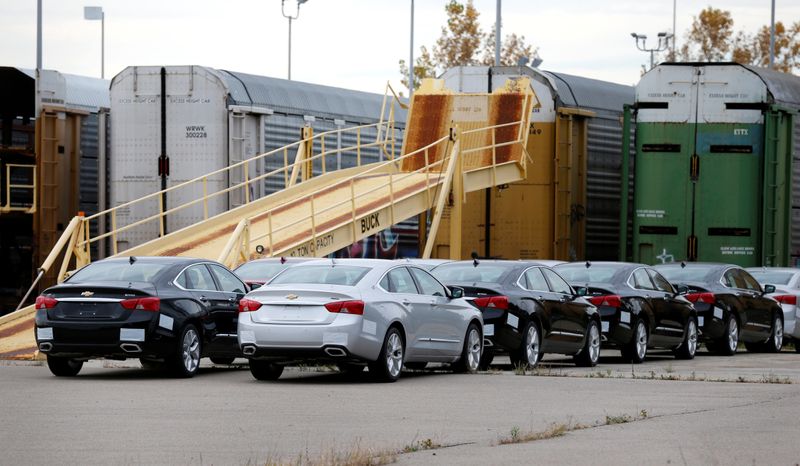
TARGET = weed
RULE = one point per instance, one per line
(621, 419)
(555, 430)
(426, 444)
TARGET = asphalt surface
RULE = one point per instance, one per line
(115, 413)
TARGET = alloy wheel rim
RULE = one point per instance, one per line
(692, 338)
(191, 350)
(474, 352)
(778, 333)
(733, 335)
(594, 343)
(641, 340)
(532, 345)
(394, 355)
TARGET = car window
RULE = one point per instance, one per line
(328, 274)
(772, 277)
(227, 280)
(399, 281)
(427, 283)
(557, 284)
(259, 270)
(732, 280)
(750, 283)
(661, 283)
(138, 271)
(196, 277)
(468, 272)
(533, 279)
(641, 280)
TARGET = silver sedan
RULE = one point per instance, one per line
(356, 313)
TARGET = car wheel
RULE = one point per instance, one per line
(775, 342)
(688, 348)
(727, 345)
(265, 370)
(529, 354)
(389, 364)
(486, 359)
(415, 366)
(590, 353)
(636, 350)
(222, 361)
(471, 352)
(187, 360)
(797, 346)
(64, 367)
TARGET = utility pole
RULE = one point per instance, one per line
(497, 35)
(772, 37)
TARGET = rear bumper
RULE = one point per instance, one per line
(346, 338)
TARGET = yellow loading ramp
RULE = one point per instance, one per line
(316, 216)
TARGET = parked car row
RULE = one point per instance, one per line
(169, 312)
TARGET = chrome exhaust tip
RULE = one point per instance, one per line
(131, 348)
(249, 350)
(335, 352)
(45, 347)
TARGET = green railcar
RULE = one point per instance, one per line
(716, 145)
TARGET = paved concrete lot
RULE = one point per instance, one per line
(124, 415)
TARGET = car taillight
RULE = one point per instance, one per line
(707, 298)
(45, 302)
(786, 299)
(494, 302)
(142, 304)
(248, 305)
(346, 307)
(610, 300)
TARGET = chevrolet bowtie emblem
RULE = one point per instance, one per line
(292, 296)
(87, 294)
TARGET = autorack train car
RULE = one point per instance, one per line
(717, 176)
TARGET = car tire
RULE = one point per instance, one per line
(415, 366)
(222, 360)
(797, 346)
(728, 344)
(775, 342)
(635, 351)
(486, 359)
(590, 353)
(186, 361)
(471, 352)
(688, 347)
(350, 368)
(265, 370)
(64, 367)
(529, 353)
(389, 365)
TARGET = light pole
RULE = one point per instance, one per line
(290, 18)
(663, 44)
(95, 13)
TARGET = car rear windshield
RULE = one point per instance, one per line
(347, 275)
(772, 277)
(579, 273)
(467, 272)
(118, 271)
(685, 274)
(259, 270)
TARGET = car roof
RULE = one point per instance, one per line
(158, 259)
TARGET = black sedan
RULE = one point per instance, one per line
(259, 271)
(528, 310)
(731, 306)
(640, 309)
(167, 311)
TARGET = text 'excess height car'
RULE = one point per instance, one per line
(357, 313)
(731, 306)
(639, 308)
(167, 311)
(528, 310)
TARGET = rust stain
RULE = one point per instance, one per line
(506, 108)
(427, 122)
(26, 325)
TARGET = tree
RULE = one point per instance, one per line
(462, 43)
(711, 38)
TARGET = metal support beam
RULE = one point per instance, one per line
(444, 192)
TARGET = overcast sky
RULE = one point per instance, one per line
(347, 43)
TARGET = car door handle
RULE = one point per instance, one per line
(204, 299)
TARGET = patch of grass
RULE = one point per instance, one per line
(355, 456)
(517, 436)
(420, 445)
(621, 419)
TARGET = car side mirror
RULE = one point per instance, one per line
(769, 289)
(681, 289)
(581, 290)
(456, 292)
